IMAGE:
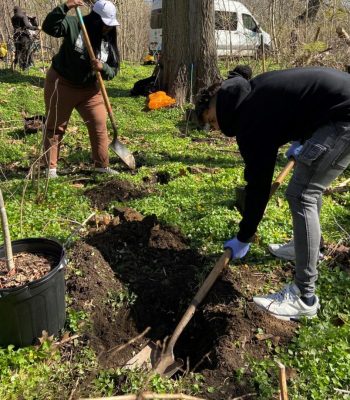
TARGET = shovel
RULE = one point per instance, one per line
(163, 362)
(116, 145)
(240, 192)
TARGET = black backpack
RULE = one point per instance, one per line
(144, 87)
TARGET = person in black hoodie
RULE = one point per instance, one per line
(22, 38)
(311, 108)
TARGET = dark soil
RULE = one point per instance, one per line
(161, 177)
(340, 256)
(28, 268)
(155, 262)
(115, 190)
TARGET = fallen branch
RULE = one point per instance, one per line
(342, 187)
(131, 341)
(127, 397)
(283, 381)
(147, 396)
(69, 339)
(168, 396)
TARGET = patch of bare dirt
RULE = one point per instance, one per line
(140, 255)
(115, 190)
(28, 268)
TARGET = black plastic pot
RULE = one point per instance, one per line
(27, 310)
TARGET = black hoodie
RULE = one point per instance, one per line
(271, 110)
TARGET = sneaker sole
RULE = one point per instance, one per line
(285, 317)
(290, 258)
(320, 258)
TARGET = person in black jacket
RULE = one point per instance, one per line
(311, 107)
(22, 38)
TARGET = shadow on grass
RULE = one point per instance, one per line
(115, 92)
(163, 158)
(9, 76)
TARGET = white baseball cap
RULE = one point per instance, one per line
(107, 11)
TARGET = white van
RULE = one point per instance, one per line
(237, 31)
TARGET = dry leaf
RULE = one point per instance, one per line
(263, 336)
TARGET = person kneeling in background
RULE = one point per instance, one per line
(71, 81)
(310, 106)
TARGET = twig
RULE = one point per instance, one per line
(168, 396)
(69, 339)
(5, 228)
(146, 396)
(283, 381)
(127, 397)
(131, 341)
(206, 356)
(245, 396)
(80, 227)
(342, 187)
(74, 389)
(342, 391)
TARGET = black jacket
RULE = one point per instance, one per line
(21, 21)
(271, 110)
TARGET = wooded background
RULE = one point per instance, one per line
(304, 32)
(133, 16)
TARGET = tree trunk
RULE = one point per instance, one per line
(189, 60)
(311, 11)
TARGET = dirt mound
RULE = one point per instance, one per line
(115, 190)
(154, 264)
(95, 289)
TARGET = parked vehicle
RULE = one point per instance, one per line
(236, 29)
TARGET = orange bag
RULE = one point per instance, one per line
(159, 99)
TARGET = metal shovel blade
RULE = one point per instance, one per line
(123, 153)
(147, 357)
(167, 365)
(151, 357)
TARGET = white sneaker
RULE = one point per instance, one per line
(287, 304)
(106, 170)
(285, 251)
(51, 173)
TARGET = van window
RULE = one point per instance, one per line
(156, 19)
(249, 23)
(225, 21)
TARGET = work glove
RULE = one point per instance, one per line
(294, 150)
(238, 249)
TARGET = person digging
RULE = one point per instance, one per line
(311, 108)
(71, 81)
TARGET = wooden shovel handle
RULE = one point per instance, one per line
(200, 295)
(281, 177)
(98, 74)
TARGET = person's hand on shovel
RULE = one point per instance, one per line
(96, 65)
(238, 248)
(294, 150)
(74, 3)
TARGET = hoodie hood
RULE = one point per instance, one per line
(232, 93)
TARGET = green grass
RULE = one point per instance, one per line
(200, 204)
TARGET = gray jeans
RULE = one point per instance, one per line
(323, 158)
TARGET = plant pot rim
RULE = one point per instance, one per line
(60, 264)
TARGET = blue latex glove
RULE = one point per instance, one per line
(294, 150)
(238, 249)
